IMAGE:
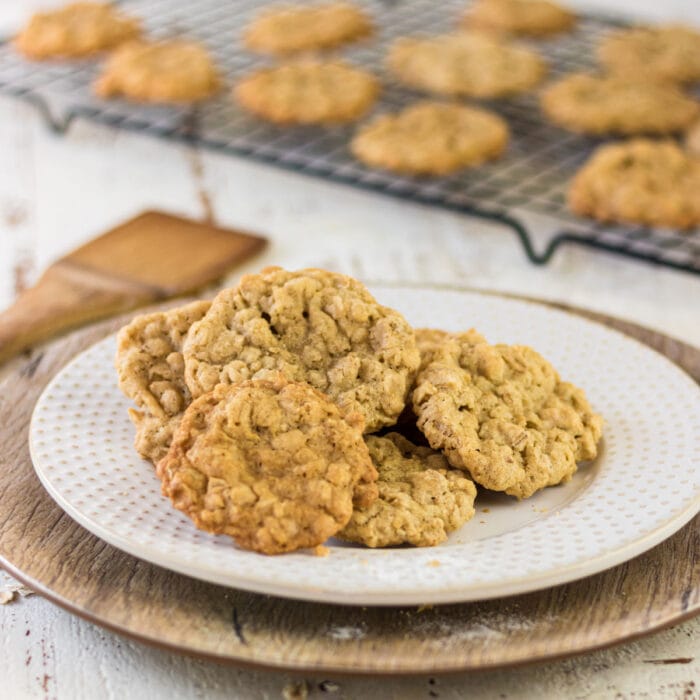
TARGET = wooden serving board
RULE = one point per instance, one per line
(45, 549)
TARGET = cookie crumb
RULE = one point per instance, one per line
(328, 687)
(296, 691)
(434, 562)
(6, 597)
(321, 550)
(485, 510)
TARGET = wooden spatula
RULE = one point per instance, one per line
(152, 257)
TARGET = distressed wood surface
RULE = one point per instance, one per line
(46, 549)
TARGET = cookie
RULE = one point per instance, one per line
(308, 92)
(163, 72)
(151, 372)
(665, 53)
(692, 139)
(640, 181)
(431, 138)
(501, 413)
(271, 463)
(612, 105)
(292, 29)
(421, 499)
(533, 18)
(314, 326)
(76, 30)
(432, 341)
(469, 64)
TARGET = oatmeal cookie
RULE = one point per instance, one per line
(292, 29)
(162, 72)
(534, 18)
(640, 181)
(692, 139)
(421, 499)
(501, 413)
(431, 138)
(76, 30)
(469, 64)
(308, 92)
(665, 53)
(315, 326)
(612, 105)
(271, 463)
(151, 372)
(431, 342)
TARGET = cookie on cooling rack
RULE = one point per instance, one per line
(152, 373)
(271, 463)
(315, 326)
(177, 72)
(533, 18)
(288, 29)
(664, 53)
(76, 30)
(431, 138)
(421, 498)
(613, 105)
(640, 181)
(467, 64)
(502, 413)
(308, 92)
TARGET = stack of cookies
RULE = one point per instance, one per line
(294, 407)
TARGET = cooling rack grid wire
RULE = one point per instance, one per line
(524, 190)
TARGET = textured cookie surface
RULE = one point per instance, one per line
(78, 29)
(151, 372)
(661, 53)
(270, 463)
(168, 71)
(308, 92)
(468, 64)
(613, 105)
(692, 139)
(290, 29)
(519, 17)
(421, 499)
(315, 326)
(431, 138)
(432, 341)
(502, 413)
(640, 181)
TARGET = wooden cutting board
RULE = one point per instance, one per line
(152, 257)
(49, 552)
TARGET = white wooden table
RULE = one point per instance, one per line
(57, 192)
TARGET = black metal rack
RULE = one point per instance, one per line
(524, 190)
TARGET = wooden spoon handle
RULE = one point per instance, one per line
(65, 296)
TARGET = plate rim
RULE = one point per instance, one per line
(526, 584)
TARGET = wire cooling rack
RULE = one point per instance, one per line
(524, 190)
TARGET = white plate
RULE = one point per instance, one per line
(643, 487)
